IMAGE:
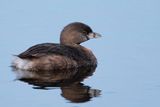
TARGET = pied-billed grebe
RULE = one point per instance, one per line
(68, 54)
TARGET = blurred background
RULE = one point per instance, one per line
(128, 72)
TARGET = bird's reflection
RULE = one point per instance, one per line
(68, 80)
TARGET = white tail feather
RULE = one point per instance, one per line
(21, 63)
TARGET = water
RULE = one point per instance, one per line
(128, 53)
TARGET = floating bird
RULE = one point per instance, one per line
(68, 54)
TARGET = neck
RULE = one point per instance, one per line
(70, 44)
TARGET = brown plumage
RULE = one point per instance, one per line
(68, 54)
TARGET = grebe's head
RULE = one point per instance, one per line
(76, 33)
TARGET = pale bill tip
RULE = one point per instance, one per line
(94, 35)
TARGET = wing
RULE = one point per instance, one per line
(38, 50)
(54, 49)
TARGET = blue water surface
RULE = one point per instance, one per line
(128, 72)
